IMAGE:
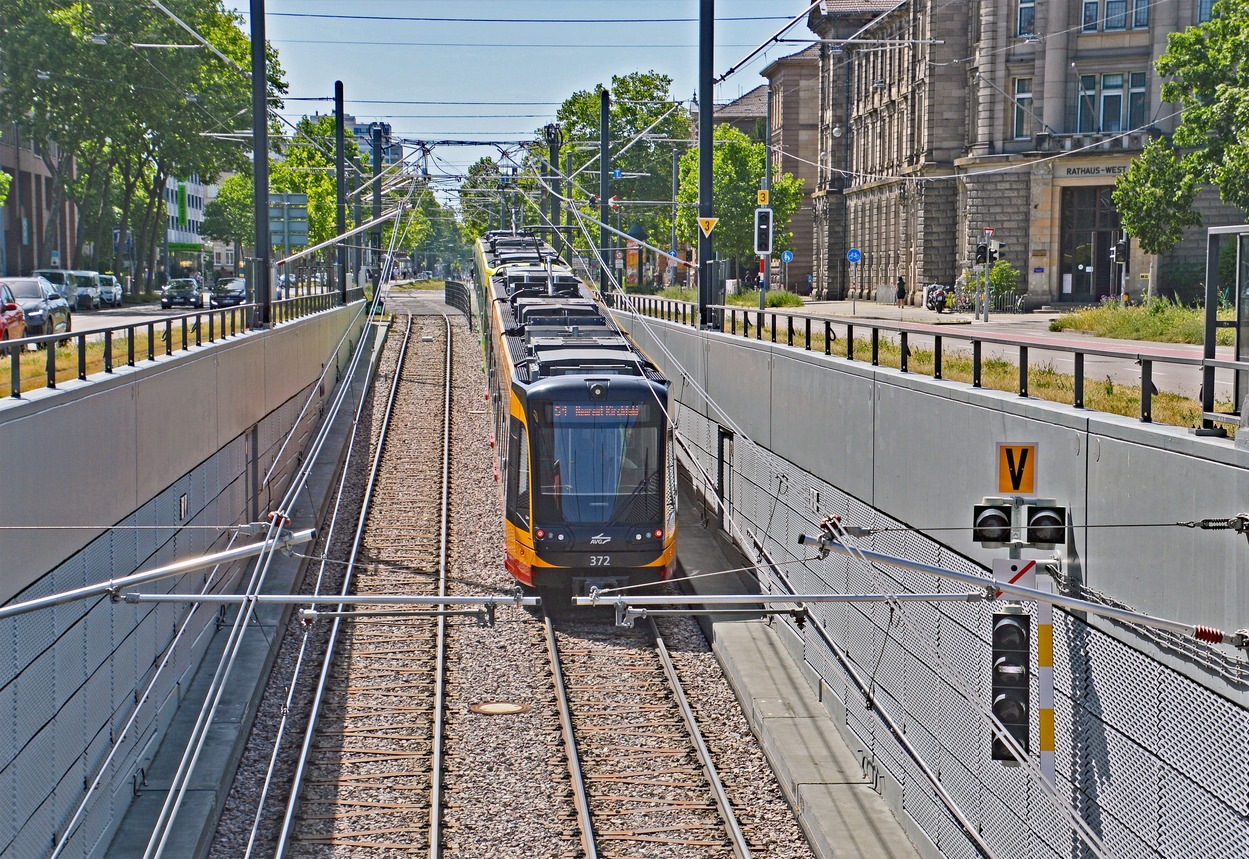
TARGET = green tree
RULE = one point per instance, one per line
(231, 217)
(737, 174)
(307, 166)
(1155, 198)
(1208, 70)
(479, 197)
(638, 100)
(4, 186)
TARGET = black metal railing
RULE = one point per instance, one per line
(810, 332)
(457, 295)
(96, 349)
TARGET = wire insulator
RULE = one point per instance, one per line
(1208, 633)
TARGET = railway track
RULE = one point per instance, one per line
(368, 775)
(643, 779)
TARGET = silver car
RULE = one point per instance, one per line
(88, 289)
(110, 290)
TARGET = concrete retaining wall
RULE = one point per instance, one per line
(114, 474)
(924, 451)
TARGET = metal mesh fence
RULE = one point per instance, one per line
(1155, 763)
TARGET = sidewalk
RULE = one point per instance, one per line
(1038, 320)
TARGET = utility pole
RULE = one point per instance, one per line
(676, 160)
(376, 128)
(568, 212)
(260, 162)
(767, 186)
(554, 137)
(604, 173)
(340, 167)
(706, 96)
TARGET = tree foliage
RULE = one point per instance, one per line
(127, 118)
(307, 166)
(231, 217)
(737, 174)
(4, 186)
(1207, 67)
(1155, 197)
(479, 196)
(638, 99)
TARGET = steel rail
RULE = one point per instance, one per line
(305, 749)
(357, 423)
(738, 839)
(440, 644)
(589, 843)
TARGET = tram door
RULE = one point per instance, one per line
(724, 476)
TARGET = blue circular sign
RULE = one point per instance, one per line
(787, 256)
(854, 255)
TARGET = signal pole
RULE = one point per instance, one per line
(340, 167)
(377, 199)
(604, 172)
(706, 115)
(260, 161)
(767, 186)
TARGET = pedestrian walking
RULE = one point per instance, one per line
(900, 295)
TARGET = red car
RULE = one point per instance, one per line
(12, 319)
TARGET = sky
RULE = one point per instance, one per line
(501, 70)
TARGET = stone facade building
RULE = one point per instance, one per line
(27, 211)
(1014, 116)
(794, 84)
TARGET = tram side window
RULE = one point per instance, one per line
(518, 477)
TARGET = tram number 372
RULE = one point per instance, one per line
(600, 560)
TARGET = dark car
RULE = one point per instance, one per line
(12, 320)
(183, 291)
(46, 311)
(230, 293)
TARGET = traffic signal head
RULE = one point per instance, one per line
(1011, 680)
(1045, 526)
(982, 253)
(995, 250)
(1119, 253)
(991, 524)
(763, 231)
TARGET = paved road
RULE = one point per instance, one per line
(1032, 329)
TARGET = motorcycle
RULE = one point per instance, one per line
(938, 297)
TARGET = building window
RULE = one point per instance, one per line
(1023, 108)
(1091, 14)
(1086, 119)
(1138, 100)
(1112, 103)
(1027, 17)
(1116, 15)
(1140, 13)
(1205, 10)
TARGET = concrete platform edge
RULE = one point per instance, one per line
(843, 809)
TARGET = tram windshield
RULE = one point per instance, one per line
(599, 462)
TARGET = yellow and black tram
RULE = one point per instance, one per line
(581, 424)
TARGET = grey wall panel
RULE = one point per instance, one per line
(739, 379)
(1152, 733)
(164, 418)
(1185, 573)
(825, 406)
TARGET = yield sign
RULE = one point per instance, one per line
(707, 225)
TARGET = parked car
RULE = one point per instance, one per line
(87, 284)
(230, 293)
(183, 291)
(110, 290)
(62, 281)
(45, 310)
(12, 320)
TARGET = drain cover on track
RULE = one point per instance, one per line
(499, 708)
